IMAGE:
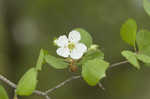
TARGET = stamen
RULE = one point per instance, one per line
(71, 46)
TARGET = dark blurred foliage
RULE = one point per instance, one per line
(28, 25)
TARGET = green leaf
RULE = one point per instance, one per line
(85, 37)
(128, 32)
(143, 39)
(94, 70)
(146, 4)
(27, 84)
(145, 50)
(91, 54)
(57, 63)
(3, 93)
(131, 57)
(143, 42)
(40, 60)
(143, 58)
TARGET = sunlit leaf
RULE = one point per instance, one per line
(85, 37)
(128, 32)
(145, 50)
(94, 70)
(143, 42)
(146, 4)
(131, 57)
(91, 54)
(143, 39)
(27, 84)
(143, 58)
(40, 60)
(56, 63)
(3, 93)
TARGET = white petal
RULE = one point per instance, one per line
(62, 41)
(76, 54)
(64, 52)
(81, 47)
(74, 36)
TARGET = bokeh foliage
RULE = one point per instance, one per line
(28, 25)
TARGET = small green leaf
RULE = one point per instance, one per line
(91, 54)
(40, 60)
(145, 50)
(128, 32)
(94, 70)
(94, 47)
(3, 93)
(143, 42)
(143, 58)
(146, 4)
(143, 39)
(131, 57)
(85, 37)
(57, 63)
(27, 84)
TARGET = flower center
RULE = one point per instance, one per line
(71, 46)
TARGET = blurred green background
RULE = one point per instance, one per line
(28, 25)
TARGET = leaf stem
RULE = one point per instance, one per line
(62, 83)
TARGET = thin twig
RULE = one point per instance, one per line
(13, 85)
(45, 94)
(4, 79)
(37, 92)
(62, 83)
(117, 64)
(111, 66)
(101, 86)
(47, 97)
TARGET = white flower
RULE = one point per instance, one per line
(70, 47)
